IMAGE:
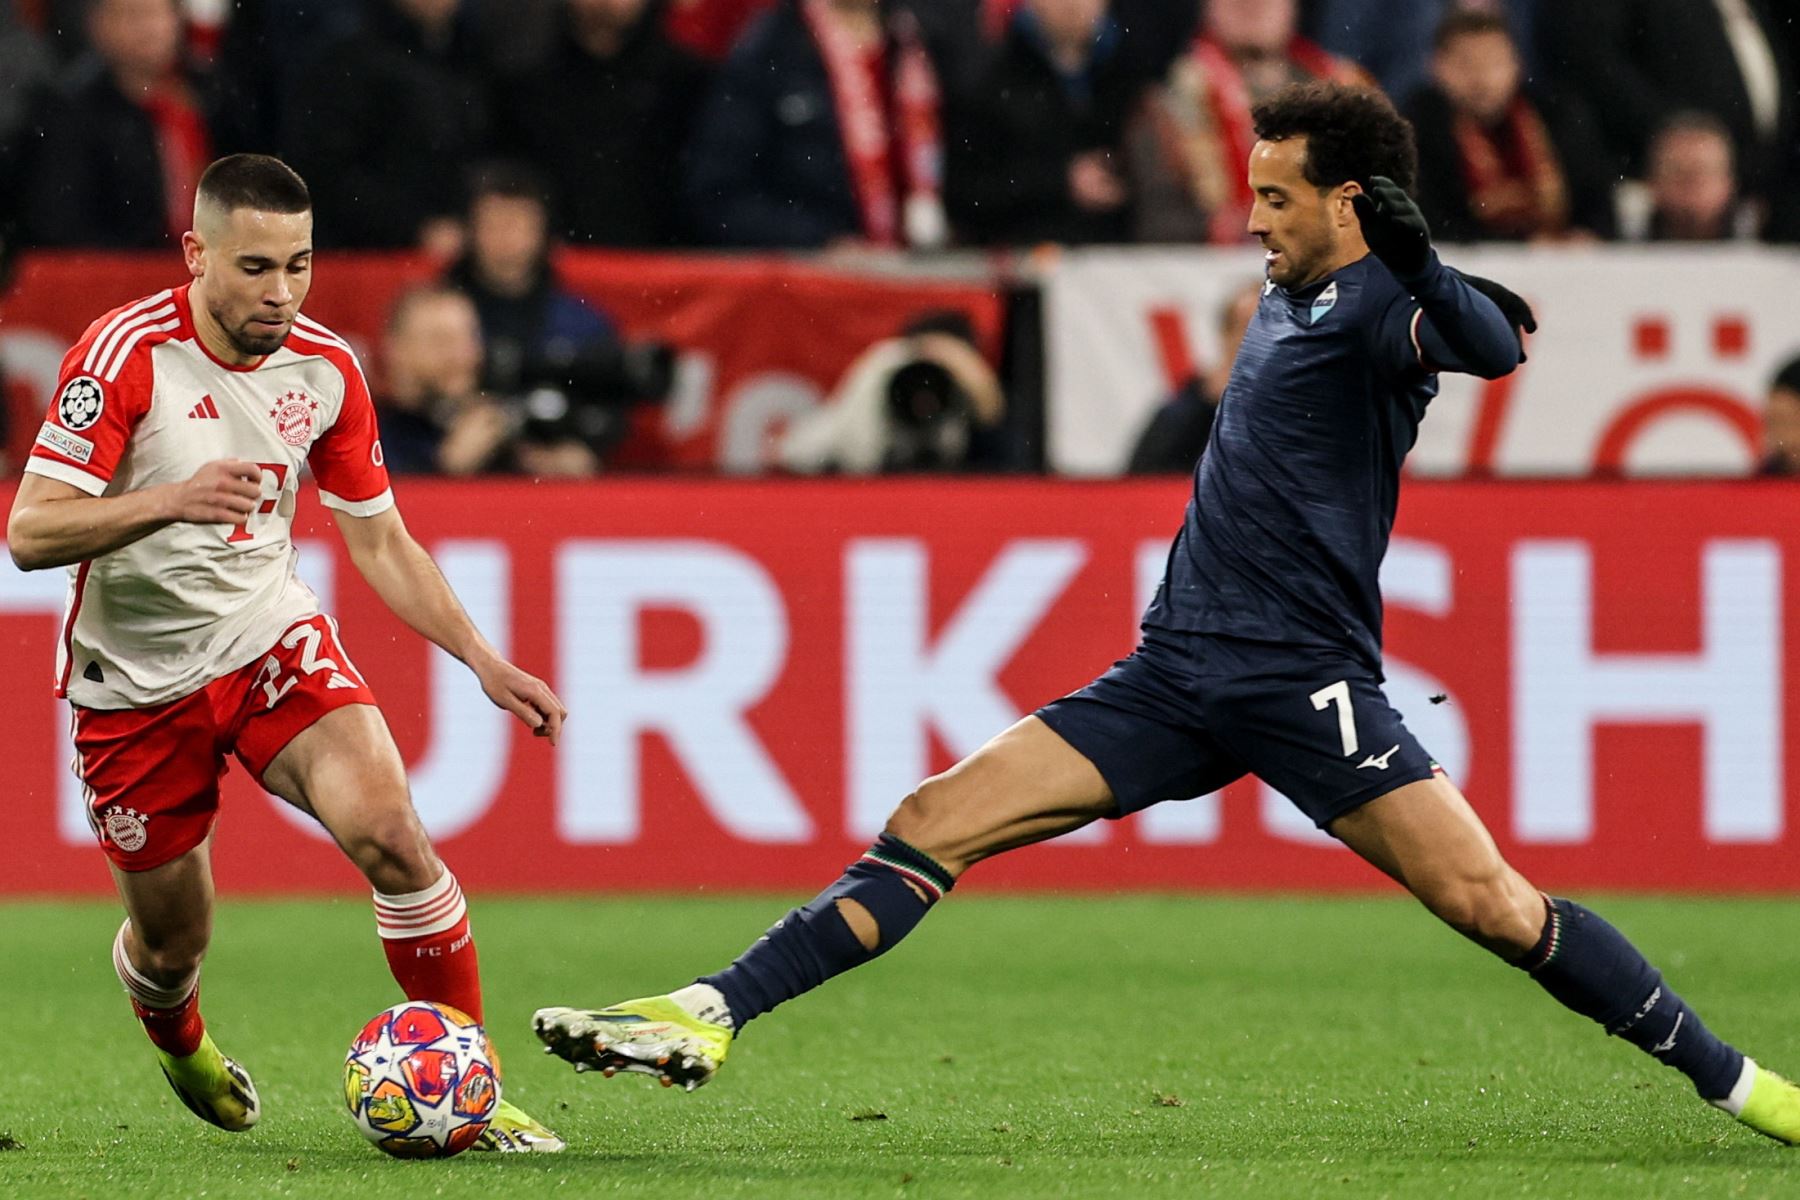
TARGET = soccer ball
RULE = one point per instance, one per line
(420, 1080)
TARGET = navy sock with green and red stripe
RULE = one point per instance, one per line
(893, 882)
(1591, 968)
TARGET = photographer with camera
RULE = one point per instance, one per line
(926, 400)
(568, 380)
(435, 419)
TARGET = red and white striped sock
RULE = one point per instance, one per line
(171, 1015)
(429, 947)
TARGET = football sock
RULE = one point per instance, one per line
(429, 947)
(171, 1015)
(894, 883)
(1591, 968)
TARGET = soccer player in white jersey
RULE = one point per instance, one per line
(165, 478)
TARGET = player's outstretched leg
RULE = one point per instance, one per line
(1024, 786)
(346, 772)
(1427, 837)
(158, 962)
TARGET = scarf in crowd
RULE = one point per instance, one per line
(996, 15)
(183, 146)
(711, 27)
(888, 113)
(1203, 125)
(1514, 185)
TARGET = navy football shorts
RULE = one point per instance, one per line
(1188, 713)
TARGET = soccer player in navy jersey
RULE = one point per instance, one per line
(1261, 652)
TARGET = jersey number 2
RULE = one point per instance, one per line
(310, 664)
(1339, 694)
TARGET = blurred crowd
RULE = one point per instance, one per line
(906, 123)
(485, 133)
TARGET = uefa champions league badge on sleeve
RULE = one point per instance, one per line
(79, 404)
(1323, 303)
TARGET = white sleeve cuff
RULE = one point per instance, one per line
(93, 485)
(358, 508)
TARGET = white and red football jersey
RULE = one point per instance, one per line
(140, 402)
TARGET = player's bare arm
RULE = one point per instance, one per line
(403, 574)
(53, 523)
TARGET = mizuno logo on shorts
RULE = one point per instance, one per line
(1378, 761)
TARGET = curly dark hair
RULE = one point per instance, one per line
(1351, 133)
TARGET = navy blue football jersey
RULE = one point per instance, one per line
(1295, 495)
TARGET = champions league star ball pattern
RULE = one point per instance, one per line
(420, 1080)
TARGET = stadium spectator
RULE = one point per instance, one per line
(26, 68)
(385, 119)
(606, 118)
(1784, 214)
(925, 400)
(262, 53)
(1188, 157)
(1692, 190)
(1632, 64)
(1781, 422)
(1490, 165)
(434, 418)
(1152, 33)
(557, 362)
(1035, 147)
(1393, 39)
(1177, 432)
(121, 141)
(823, 128)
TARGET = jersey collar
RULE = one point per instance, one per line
(1306, 294)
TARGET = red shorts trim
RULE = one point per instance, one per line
(151, 775)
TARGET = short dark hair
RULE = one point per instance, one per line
(1351, 132)
(513, 180)
(254, 181)
(1788, 378)
(1468, 22)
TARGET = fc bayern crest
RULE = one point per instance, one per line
(125, 828)
(293, 413)
(80, 403)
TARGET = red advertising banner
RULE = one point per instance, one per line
(758, 672)
(761, 339)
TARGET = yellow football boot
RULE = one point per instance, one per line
(651, 1036)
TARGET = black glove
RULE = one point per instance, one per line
(1394, 227)
(1512, 306)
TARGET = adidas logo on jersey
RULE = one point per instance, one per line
(206, 410)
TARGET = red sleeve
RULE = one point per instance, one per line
(102, 391)
(346, 460)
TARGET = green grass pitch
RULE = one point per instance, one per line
(1025, 1046)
